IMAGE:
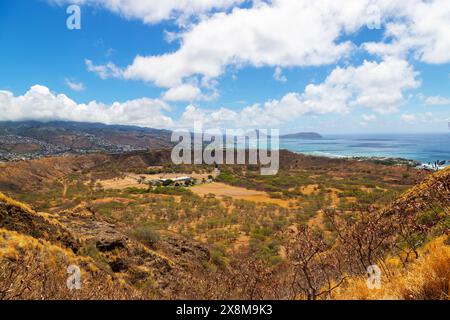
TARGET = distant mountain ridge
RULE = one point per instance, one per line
(32, 139)
(16, 127)
(25, 140)
(302, 135)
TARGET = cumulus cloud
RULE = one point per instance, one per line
(420, 118)
(283, 33)
(379, 87)
(74, 85)
(280, 33)
(184, 92)
(369, 117)
(104, 71)
(154, 11)
(435, 100)
(39, 103)
(407, 117)
(276, 33)
(420, 27)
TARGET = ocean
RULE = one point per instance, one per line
(424, 148)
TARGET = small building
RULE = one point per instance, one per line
(183, 179)
(177, 180)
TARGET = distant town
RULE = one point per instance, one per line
(28, 140)
(10, 148)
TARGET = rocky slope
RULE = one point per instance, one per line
(80, 234)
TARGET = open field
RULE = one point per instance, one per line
(131, 180)
(237, 193)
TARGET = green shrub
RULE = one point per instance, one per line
(146, 235)
(89, 249)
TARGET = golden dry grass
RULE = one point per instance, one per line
(13, 244)
(426, 278)
(37, 270)
(310, 189)
(131, 179)
(46, 216)
(237, 193)
(12, 202)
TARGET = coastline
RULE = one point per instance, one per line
(416, 150)
(379, 160)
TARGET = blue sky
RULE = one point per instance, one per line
(229, 65)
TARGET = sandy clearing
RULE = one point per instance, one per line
(317, 220)
(224, 190)
(112, 199)
(119, 183)
(310, 189)
(335, 200)
(131, 179)
(241, 241)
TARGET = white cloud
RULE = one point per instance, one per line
(74, 85)
(419, 26)
(271, 113)
(104, 71)
(184, 92)
(39, 103)
(291, 33)
(428, 116)
(421, 118)
(377, 86)
(209, 118)
(278, 75)
(283, 33)
(435, 100)
(369, 117)
(154, 11)
(408, 117)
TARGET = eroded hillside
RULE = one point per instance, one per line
(308, 233)
(48, 243)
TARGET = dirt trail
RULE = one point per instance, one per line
(65, 187)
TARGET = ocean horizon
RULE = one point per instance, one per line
(422, 147)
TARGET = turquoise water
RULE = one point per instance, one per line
(424, 148)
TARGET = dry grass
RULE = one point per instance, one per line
(35, 269)
(317, 221)
(12, 202)
(334, 196)
(131, 179)
(237, 193)
(310, 189)
(427, 278)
